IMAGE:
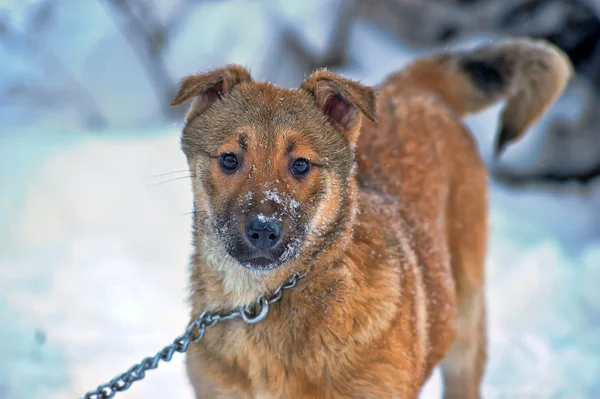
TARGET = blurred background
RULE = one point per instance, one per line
(95, 199)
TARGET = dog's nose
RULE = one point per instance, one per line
(263, 235)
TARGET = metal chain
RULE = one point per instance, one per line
(194, 333)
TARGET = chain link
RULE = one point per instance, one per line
(194, 333)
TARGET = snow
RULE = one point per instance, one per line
(290, 204)
(100, 271)
(272, 195)
(94, 246)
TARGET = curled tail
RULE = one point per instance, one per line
(529, 74)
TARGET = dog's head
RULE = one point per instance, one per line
(271, 167)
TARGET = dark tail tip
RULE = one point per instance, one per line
(506, 136)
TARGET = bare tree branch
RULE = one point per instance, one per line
(336, 54)
(147, 39)
(515, 178)
(179, 13)
(79, 96)
(594, 5)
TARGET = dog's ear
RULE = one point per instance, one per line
(342, 100)
(206, 88)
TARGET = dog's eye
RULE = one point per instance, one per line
(300, 166)
(229, 162)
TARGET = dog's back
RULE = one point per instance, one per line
(420, 153)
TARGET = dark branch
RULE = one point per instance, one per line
(147, 39)
(336, 54)
(76, 94)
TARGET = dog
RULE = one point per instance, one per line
(378, 194)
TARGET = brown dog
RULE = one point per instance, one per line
(390, 224)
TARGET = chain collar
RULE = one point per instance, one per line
(195, 332)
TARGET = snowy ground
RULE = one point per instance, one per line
(94, 254)
(93, 268)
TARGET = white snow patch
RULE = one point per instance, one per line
(273, 195)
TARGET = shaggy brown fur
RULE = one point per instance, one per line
(390, 224)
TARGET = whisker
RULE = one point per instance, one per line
(201, 221)
(225, 262)
(198, 220)
(169, 181)
(194, 211)
(170, 173)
